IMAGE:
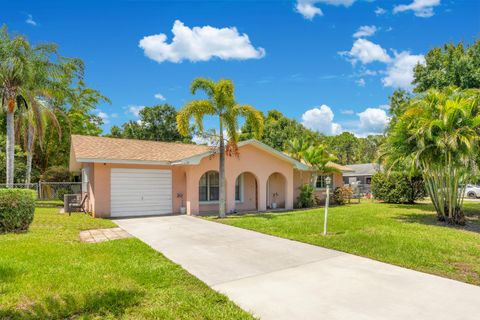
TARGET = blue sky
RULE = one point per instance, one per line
(331, 64)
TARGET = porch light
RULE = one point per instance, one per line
(328, 181)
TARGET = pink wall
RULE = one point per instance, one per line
(301, 178)
(251, 159)
(100, 185)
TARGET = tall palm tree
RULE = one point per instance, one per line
(14, 71)
(439, 134)
(220, 102)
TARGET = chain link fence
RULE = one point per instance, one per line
(50, 190)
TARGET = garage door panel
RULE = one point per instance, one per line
(140, 192)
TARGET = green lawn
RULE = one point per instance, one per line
(404, 235)
(48, 274)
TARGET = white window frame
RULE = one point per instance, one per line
(324, 176)
(85, 179)
(208, 189)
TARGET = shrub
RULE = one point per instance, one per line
(342, 194)
(17, 207)
(397, 187)
(306, 199)
(57, 174)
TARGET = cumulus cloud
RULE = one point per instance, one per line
(30, 20)
(200, 44)
(347, 112)
(366, 52)
(365, 31)
(421, 8)
(360, 82)
(135, 110)
(103, 116)
(159, 96)
(321, 119)
(308, 8)
(372, 121)
(400, 71)
(399, 66)
(379, 11)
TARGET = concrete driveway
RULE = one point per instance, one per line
(278, 279)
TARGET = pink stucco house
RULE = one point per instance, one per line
(124, 177)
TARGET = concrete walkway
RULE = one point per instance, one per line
(279, 279)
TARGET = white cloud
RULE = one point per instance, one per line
(385, 107)
(360, 82)
(400, 71)
(421, 8)
(372, 121)
(366, 52)
(365, 31)
(114, 115)
(321, 119)
(379, 11)
(200, 44)
(347, 112)
(135, 110)
(30, 20)
(308, 8)
(104, 117)
(160, 96)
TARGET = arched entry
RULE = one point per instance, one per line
(276, 191)
(246, 192)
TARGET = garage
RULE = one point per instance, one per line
(140, 192)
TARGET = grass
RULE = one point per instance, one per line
(404, 235)
(47, 273)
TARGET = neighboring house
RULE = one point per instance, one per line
(361, 174)
(124, 177)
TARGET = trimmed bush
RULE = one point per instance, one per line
(17, 207)
(397, 187)
(342, 194)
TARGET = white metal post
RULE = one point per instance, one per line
(327, 200)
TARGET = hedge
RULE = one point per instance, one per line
(397, 187)
(17, 207)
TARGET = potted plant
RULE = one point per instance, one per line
(274, 202)
(183, 210)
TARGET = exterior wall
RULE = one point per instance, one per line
(259, 163)
(99, 186)
(301, 178)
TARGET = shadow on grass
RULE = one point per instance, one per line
(105, 303)
(426, 215)
(7, 274)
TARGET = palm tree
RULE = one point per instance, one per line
(439, 134)
(318, 158)
(14, 69)
(221, 103)
(297, 147)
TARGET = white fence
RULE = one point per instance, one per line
(50, 190)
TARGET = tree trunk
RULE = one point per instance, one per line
(29, 155)
(10, 150)
(222, 199)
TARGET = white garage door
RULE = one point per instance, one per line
(140, 192)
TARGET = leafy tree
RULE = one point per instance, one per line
(439, 135)
(297, 147)
(20, 161)
(278, 130)
(156, 123)
(456, 65)
(344, 146)
(221, 103)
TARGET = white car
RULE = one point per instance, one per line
(472, 191)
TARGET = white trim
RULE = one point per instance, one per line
(93, 160)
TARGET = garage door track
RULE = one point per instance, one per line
(276, 278)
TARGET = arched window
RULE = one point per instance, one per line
(208, 188)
